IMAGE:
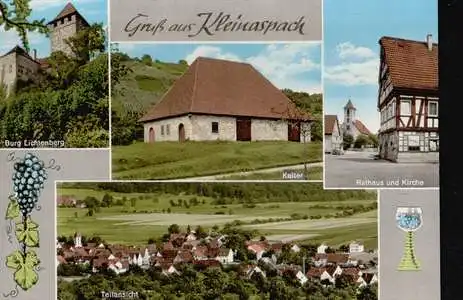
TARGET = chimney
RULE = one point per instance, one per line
(34, 54)
(429, 41)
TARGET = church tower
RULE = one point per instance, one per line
(65, 25)
(349, 117)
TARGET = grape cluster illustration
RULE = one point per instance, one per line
(409, 221)
(28, 182)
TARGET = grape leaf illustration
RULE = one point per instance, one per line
(12, 212)
(28, 233)
(25, 275)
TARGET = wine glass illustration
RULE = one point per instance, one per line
(409, 219)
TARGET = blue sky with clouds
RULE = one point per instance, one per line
(94, 11)
(351, 51)
(296, 66)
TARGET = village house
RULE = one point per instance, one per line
(356, 247)
(225, 100)
(225, 256)
(18, 65)
(258, 248)
(325, 267)
(408, 100)
(352, 125)
(333, 134)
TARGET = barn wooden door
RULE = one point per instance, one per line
(294, 132)
(181, 133)
(151, 135)
(243, 129)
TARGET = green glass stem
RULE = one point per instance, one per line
(409, 261)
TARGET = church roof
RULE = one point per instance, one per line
(68, 10)
(227, 88)
(349, 105)
(411, 64)
(361, 127)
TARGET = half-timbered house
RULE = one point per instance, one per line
(225, 100)
(408, 100)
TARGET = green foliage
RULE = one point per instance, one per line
(14, 16)
(312, 104)
(211, 283)
(24, 265)
(74, 111)
(149, 83)
(347, 141)
(361, 141)
(373, 140)
(70, 103)
(28, 233)
(228, 193)
(147, 60)
(87, 42)
(12, 211)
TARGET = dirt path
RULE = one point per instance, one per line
(269, 170)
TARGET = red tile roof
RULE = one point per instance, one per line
(330, 121)
(221, 87)
(411, 64)
(315, 272)
(361, 127)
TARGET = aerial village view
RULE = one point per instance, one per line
(216, 241)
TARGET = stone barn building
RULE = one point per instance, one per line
(224, 100)
(332, 134)
(408, 100)
(18, 65)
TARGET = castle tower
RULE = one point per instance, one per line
(65, 25)
(349, 117)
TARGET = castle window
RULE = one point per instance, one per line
(62, 21)
(215, 127)
(162, 129)
(70, 18)
(11, 68)
(167, 129)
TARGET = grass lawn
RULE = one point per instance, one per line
(314, 173)
(172, 160)
(150, 219)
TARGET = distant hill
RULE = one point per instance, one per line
(148, 80)
(145, 84)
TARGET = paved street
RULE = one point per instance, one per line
(360, 170)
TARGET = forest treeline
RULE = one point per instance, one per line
(245, 192)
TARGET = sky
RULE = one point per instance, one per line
(351, 49)
(94, 11)
(296, 66)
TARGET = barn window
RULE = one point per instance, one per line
(433, 109)
(405, 107)
(215, 127)
(167, 129)
(162, 129)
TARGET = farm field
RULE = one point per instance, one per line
(153, 213)
(173, 160)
